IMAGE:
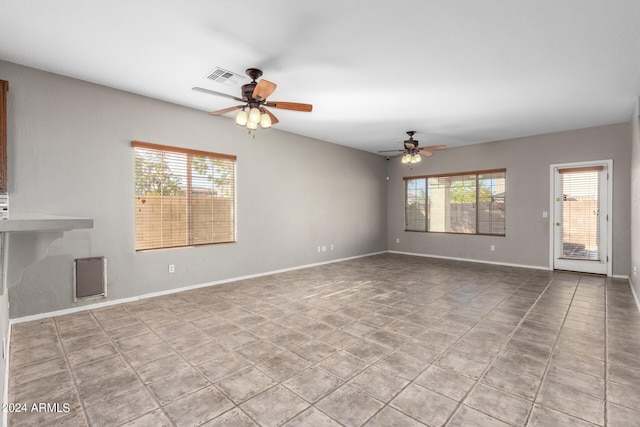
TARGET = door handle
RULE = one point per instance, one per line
(557, 224)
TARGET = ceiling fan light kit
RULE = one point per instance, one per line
(252, 119)
(412, 154)
(411, 158)
(254, 96)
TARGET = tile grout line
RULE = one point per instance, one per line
(179, 354)
(233, 350)
(316, 365)
(195, 367)
(409, 382)
(460, 402)
(120, 353)
(368, 363)
(253, 365)
(553, 347)
(510, 337)
(312, 364)
(73, 377)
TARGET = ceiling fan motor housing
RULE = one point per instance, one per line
(247, 90)
(411, 144)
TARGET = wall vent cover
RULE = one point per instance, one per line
(89, 278)
(226, 77)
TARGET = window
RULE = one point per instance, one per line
(579, 210)
(183, 197)
(467, 203)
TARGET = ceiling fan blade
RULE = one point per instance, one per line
(290, 106)
(425, 153)
(226, 110)
(274, 119)
(391, 151)
(434, 147)
(263, 89)
(213, 92)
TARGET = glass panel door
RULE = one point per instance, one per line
(580, 218)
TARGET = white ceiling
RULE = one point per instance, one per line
(456, 71)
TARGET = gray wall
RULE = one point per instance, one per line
(528, 163)
(70, 154)
(635, 200)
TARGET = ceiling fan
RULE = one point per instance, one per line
(254, 99)
(413, 152)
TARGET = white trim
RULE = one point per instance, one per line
(620, 276)
(635, 296)
(174, 290)
(65, 311)
(481, 261)
(552, 190)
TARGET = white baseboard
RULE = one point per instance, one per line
(506, 264)
(173, 291)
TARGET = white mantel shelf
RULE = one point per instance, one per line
(40, 222)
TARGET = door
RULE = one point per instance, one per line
(581, 216)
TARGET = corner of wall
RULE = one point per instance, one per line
(635, 202)
(635, 294)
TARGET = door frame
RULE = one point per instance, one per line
(609, 213)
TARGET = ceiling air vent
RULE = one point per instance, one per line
(225, 77)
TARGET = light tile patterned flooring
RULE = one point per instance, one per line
(387, 340)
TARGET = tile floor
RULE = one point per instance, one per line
(387, 340)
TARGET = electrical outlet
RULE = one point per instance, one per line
(331, 247)
(324, 248)
(319, 249)
(172, 268)
(398, 240)
(493, 248)
(635, 273)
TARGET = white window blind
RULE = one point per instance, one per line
(580, 213)
(415, 205)
(491, 203)
(183, 197)
(467, 203)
